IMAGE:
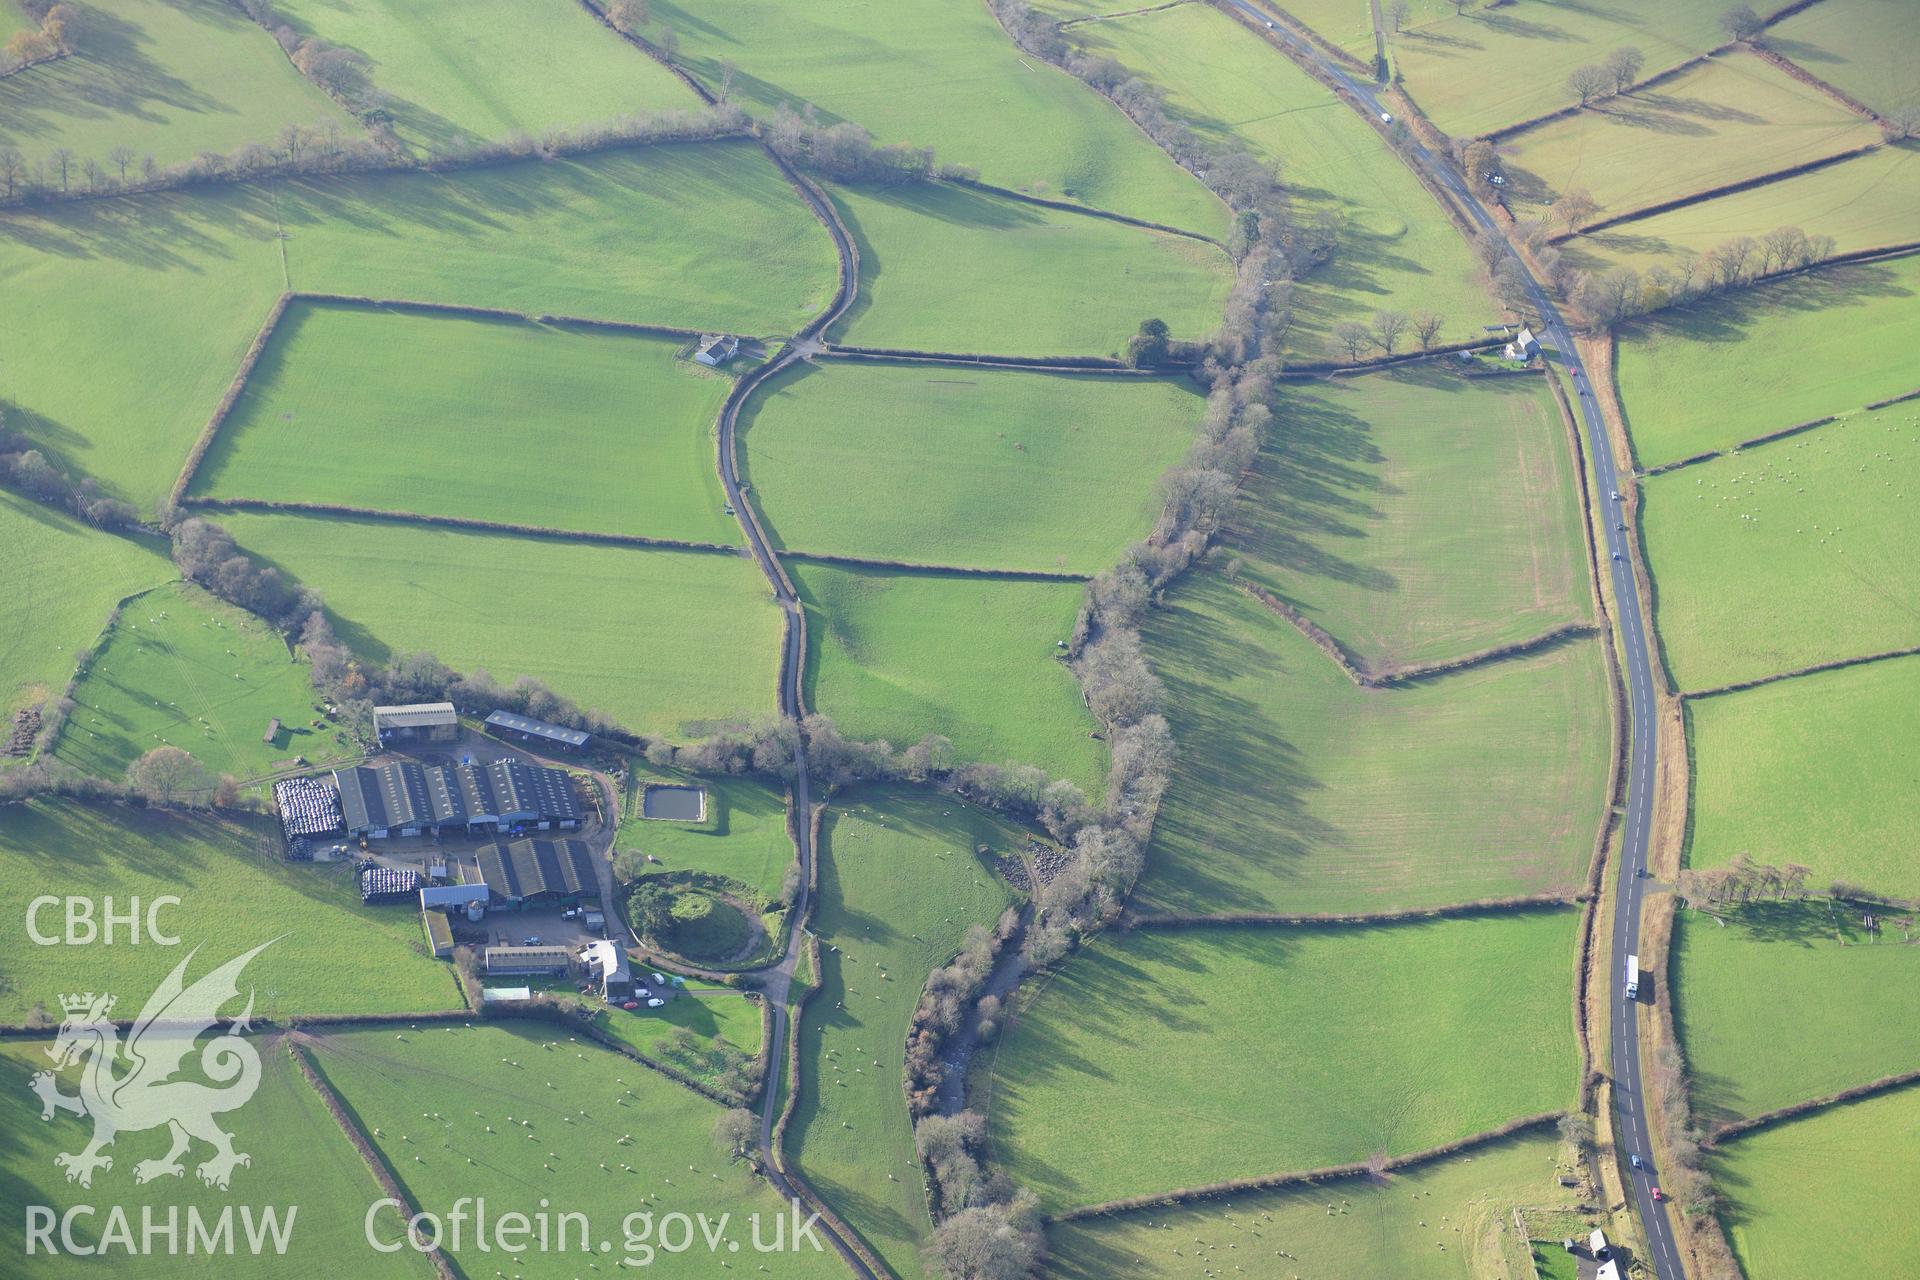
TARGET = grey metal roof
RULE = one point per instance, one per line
(415, 715)
(401, 793)
(539, 728)
(527, 868)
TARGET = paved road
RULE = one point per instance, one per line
(1637, 656)
(777, 980)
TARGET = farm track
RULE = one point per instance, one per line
(776, 981)
(1636, 644)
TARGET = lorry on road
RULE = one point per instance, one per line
(1633, 977)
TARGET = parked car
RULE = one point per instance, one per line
(656, 1002)
(659, 979)
(631, 1005)
(1497, 179)
(533, 940)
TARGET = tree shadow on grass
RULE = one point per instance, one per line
(1239, 809)
(116, 76)
(1316, 484)
(1732, 317)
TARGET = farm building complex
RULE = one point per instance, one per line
(537, 872)
(404, 798)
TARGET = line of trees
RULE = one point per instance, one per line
(1606, 79)
(1249, 186)
(846, 152)
(321, 149)
(1388, 332)
(1609, 297)
(59, 31)
(23, 467)
(987, 1229)
(950, 992)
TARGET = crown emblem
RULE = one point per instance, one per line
(82, 1004)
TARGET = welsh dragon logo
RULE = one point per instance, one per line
(145, 1094)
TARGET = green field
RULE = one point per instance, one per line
(608, 432)
(1788, 554)
(1385, 1228)
(899, 887)
(1826, 1195)
(63, 580)
(949, 268)
(1863, 203)
(235, 893)
(482, 70)
(1354, 514)
(1817, 771)
(1494, 66)
(1838, 1008)
(560, 237)
(744, 835)
(1712, 375)
(184, 669)
(661, 641)
(95, 288)
(1396, 247)
(1855, 45)
(941, 75)
(723, 1014)
(1347, 24)
(300, 1158)
(168, 78)
(1296, 791)
(899, 655)
(1717, 123)
(985, 468)
(1232, 1053)
(427, 1098)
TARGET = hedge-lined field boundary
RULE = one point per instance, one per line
(934, 570)
(1098, 365)
(1410, 915)
(1308, 1177)
(1088, 210)
(1767, 1119)
(468, 524)
(1360, 673)
(204, 441)
(1836, 664)
(1796, 71)
(1303, 371)
(1711, 454)
(376, 1164)
(1715, 193)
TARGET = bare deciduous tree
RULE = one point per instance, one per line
(1387, 328)
(1355, 337)
(1589, 82)
(1624, 64)
(1575, 207)
(120, 157)
(167, 775)
(1426, 329)
(1741, 22)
